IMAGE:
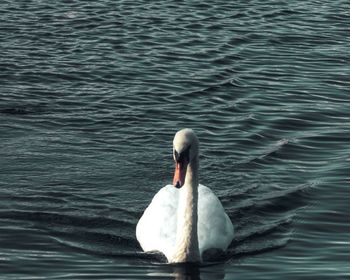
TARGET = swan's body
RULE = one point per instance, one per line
(156, 230)
(186, 222)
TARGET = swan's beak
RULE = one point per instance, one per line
(180, 173)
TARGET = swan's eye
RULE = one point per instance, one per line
(183, 156)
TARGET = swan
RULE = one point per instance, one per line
(185, 220)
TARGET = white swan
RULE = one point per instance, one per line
(184, 221)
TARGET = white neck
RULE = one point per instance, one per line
(186, 248)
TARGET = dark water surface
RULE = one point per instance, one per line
(92, 93)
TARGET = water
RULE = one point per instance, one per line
(93, 92)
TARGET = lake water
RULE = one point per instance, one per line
(92, 93)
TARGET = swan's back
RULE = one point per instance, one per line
(156, 230)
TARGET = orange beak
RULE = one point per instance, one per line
(180, 174)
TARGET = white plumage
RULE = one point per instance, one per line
(156, 230)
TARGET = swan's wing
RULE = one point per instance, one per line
(156, 230)
(215, 229)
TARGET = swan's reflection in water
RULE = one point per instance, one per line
(191, 271)
(196, 272)
(186, 271)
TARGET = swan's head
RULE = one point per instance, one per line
(185, 151)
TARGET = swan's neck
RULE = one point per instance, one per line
(186, 248)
